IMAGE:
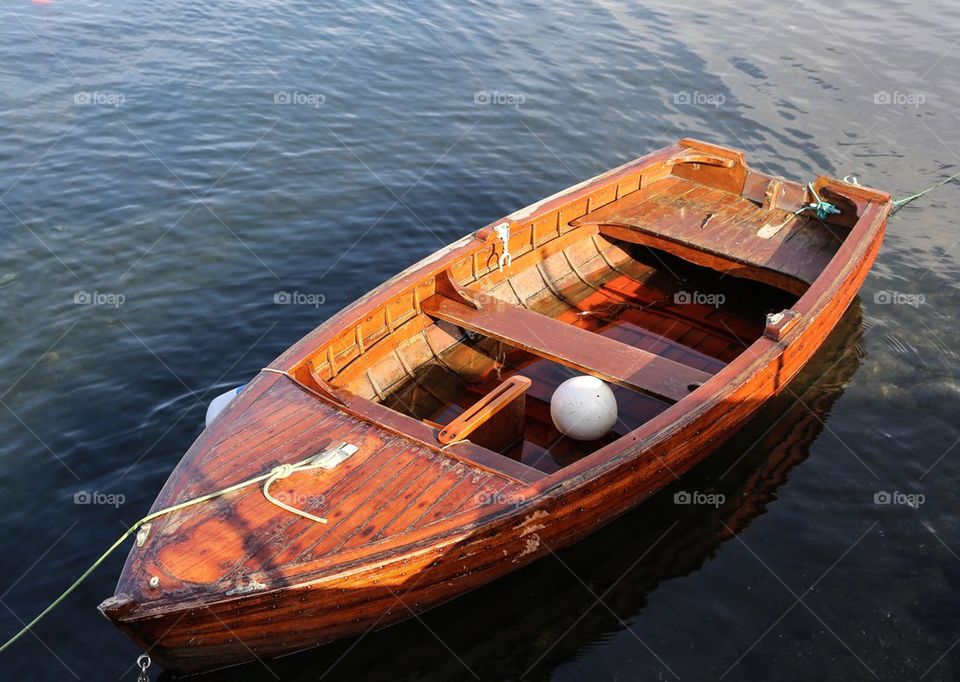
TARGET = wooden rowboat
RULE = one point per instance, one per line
(628, 559)
(685, 280)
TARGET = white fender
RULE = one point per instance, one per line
(219, 404)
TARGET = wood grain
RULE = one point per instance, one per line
(414, 522)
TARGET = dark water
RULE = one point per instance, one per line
(187, 161)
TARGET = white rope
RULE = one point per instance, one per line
(284, 471)
(327, 459)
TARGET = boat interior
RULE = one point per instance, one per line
(653, 282)
(595, 308)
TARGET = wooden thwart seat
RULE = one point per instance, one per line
(580, 349)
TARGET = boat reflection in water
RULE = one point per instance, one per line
(543, 616)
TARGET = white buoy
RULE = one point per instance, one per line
(219, 404)
(583, 408)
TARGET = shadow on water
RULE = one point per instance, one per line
(530, 622)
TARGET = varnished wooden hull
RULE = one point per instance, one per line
(485, 515)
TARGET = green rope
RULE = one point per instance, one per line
(822, 209)
(900, 203)
(281, 471)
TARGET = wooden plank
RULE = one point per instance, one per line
(585, 351)
(718, 230)
(505, 400)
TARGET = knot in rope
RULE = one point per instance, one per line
(282, 471)
(822, 209)
(900, 203)
(325, 460)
